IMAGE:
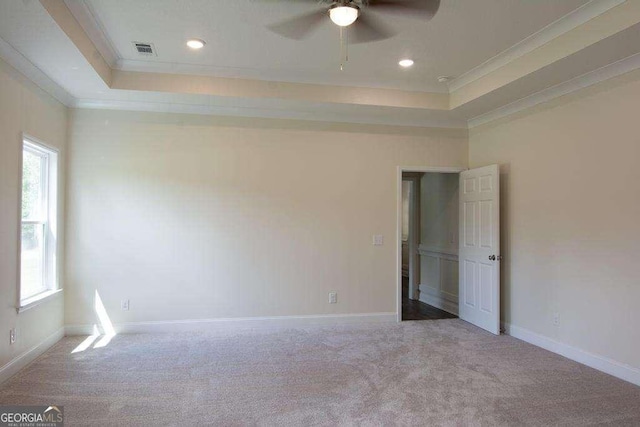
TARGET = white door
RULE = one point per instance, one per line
(479, 254)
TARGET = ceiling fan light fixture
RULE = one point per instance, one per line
(344, 16)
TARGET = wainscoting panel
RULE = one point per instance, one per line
(439, 278)
(405, 259)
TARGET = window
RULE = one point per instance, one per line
(38, 276)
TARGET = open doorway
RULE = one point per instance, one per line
(429, 243)
(458, 277)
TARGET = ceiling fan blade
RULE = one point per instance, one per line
(300, 26)
(421, 9)
(368, 29)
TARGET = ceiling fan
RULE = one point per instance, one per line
(363, 26)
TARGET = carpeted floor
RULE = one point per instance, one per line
(439, 372)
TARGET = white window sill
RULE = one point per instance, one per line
(31, 302)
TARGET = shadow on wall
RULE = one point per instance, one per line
(103, 330)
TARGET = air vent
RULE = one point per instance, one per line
(144, 49)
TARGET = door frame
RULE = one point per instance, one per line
(401, 169)
(414, 229)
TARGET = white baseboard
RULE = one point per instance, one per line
(19, 362)
(236, 324)
(601, 363)
(439, 302)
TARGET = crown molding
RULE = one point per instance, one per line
(247, 88)
(583, 81)
(27, 68)
(67, 22)
(267, 113)
(563, 25)
(84, 13)
(268, 75)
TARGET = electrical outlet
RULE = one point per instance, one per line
(124, 305)
(12, 336)
(333, 297)
(378, 240)
(556, 319)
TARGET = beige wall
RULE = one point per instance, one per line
(570, 212)
(24, 108)
(194, 217)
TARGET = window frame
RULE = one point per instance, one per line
(47, 217)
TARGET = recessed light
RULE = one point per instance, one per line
(195, 43)
(406, 63)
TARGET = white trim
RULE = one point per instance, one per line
(441, 300)
(269, 113)
(37, 141)
(24, 359)
(433, 169)
(51, 246)
(447, 254)
(25, 67)
(400, 170)
(38, 299)
(600, 363)
(563, 25)
(276, 75)
(86, 16)
(583, 81)
(436, 296)
(236, 323)
(20, 162)
(413, 270)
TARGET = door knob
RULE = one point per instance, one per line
(492, 257)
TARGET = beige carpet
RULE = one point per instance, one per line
(440, 372)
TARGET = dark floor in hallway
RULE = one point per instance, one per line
(417, 310)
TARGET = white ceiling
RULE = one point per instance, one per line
(29, 30)
(463, 35)
(591, 59)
